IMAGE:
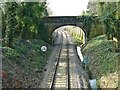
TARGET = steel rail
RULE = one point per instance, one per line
(68, 64)
(57, 63)
(54, 74)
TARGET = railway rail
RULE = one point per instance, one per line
(61, 75)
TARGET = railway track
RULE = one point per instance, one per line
(61, 75)
(65, 74)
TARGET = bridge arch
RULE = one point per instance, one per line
(53, 22)
(73, 28)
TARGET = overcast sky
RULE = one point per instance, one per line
(67, 7)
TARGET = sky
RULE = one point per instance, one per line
(67, 7)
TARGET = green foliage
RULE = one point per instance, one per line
(87, 22)
(108, 20)
(101, 53)
(103, 59)
(30, 53)
(96, 30)
(26, 61)
(23, 20)
(10, 53)
(78, 37)
(109, 17)
(10, 23)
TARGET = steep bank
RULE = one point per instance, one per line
(103, 61)
(23, 65)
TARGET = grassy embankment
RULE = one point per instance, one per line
(23, 65)
(103, 61)
(78, 39)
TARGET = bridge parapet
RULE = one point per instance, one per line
(62, 19)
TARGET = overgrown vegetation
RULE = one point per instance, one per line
(77, 33)
(103, 61)
(87, 23)
(96, 30)
(23, 35)
(23, 20)
(26, 60)
(108, 13)
(23, 31)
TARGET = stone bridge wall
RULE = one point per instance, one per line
(54, 22)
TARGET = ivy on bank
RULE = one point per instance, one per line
(23, 20)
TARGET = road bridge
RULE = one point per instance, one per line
(54, 22)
